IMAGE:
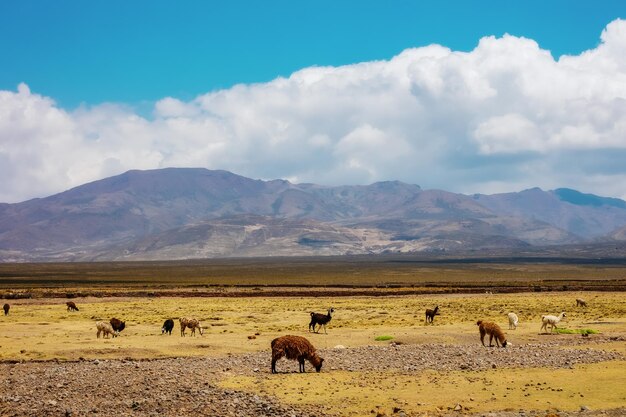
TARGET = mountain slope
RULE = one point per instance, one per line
(584, 215)
(176, 213)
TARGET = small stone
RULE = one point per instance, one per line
(51, 402)
(458, 407)
(584, 408)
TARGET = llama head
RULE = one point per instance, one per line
(479, 322)
(331, 310)
(201, 330)
(317, 362)
(505, 344)
(122, 327)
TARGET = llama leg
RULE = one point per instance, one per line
(301, 363)
(491, 340)
(274, 366)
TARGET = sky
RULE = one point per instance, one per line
(465, 96)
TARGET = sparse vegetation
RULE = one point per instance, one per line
(576, 331)
(39, 328)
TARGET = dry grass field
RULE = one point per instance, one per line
(42, 329)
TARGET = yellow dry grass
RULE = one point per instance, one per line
(43, 329)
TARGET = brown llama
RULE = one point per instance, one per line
(6, 307)
(295, 348)
(191, 323)
(493, 330)
(581, 303)
(430, 314)
(106, 329)
(71, 306)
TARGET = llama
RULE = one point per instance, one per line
(493, 330)
(168, 326)
(430, 314)
(552, 321)
(192, 324)
(6, 308)
(581, 303)
(295, 348)
(118, 325)
(513, 321)
(71, 306)
(106, 329)
(320, 320)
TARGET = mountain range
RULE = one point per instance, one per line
(190, 213)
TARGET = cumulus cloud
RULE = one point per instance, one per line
(503, 117)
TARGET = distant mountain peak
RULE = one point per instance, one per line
(582, 199)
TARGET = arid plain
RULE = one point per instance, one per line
(417, 369)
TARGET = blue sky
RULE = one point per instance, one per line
(135, 51)
(465, 96)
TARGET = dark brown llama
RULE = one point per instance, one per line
(319, 319)
(430, 314)
(295, 348)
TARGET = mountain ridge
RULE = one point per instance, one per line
(180, 210)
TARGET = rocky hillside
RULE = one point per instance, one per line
(195, 213)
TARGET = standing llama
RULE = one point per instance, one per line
(513, 321)
(320, 320)
(552, 321)
(191, 323)
(430, 314)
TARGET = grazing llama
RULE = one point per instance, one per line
(106, 329)
(581, 303)
(168, 326)
(71, 306)
(295, 348)
(320, 320)
(6, 309)
(552, 321)
(493, 330)
(513, 321)
(117, 324)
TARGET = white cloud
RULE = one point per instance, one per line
(505, 114)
